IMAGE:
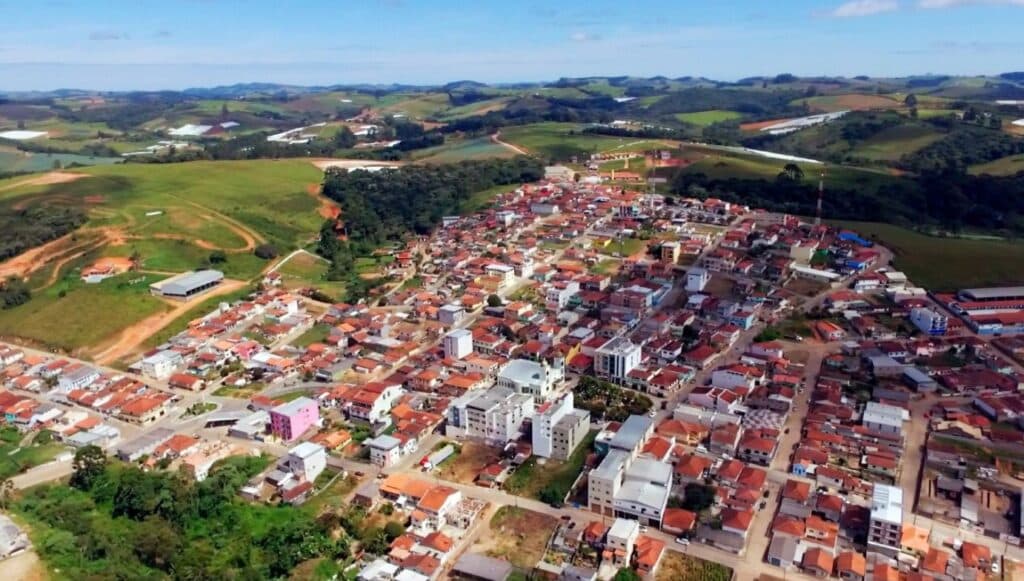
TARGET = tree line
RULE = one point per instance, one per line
(31, 227)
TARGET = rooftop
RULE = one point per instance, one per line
(887, 504)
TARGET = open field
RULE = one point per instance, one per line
(12, 160)
(519, 536)
(676, 566)
(15, 459)
(893, 143)
(1005, 166)
(463, 150)
(565, 139)
(174, 215)
(471, 459)
(947, 263)
(531, 479)
(853, 101)
(705, 118)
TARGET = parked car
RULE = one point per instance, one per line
(682, 541)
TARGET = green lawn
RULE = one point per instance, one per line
(948, 263)
(456, 150)
(317, 334)
(705, 118)
(85, 315)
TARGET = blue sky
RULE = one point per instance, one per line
(173, 44)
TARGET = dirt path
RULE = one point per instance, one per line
(53, 177)
(132, 337)
(63, 260)
(24, 567)
(328, 209)
(496, 138)
(33, 259)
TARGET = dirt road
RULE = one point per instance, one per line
(53, 177)
(326, 163)
(496, 138)
(130, 339)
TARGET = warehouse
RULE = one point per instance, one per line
(187, 285)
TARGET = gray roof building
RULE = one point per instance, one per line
(477, 566)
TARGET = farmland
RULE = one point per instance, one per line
(705, 118)
(893, 143)
(1006, 166)
(948, 263)
(852, 101)
(462, 150)
(562, 140)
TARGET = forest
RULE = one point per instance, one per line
(28, 228)
(952, 200)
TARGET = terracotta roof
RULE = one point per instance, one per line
(818, 559)
(975, 555)
(434, 499)
(678, 519)
(796, 490)
(853, 562)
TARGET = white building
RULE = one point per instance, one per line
(886, 526)
(929, 321)
(384, 450)
(78, 378)
(645, 490)
(451, 315)
(458, 344)
(621, 538)
(495, 415)
(557, 297)
(697, 279)
(307, 460)
(161, 364)
(559, 428)
(530, 377)
(622, 484)
(506, 273)
(616, 358)
(886, 419)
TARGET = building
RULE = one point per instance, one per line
(537, 379)
(624, 485)
(929, 320)
(307, 460)
(620, 540)
(496, 415)
(886, 526)
(187, 285)
(77, 378)
(384, 450)
(616, 358)
(451, 315)
(161, 364)
(544, 424)
(883, 418)
(569, 433)
(696, 280)
(290, 420)
(458, 344)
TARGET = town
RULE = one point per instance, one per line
(586, 381)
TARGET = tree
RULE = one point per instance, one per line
(344, 138)
(792, 172)
(393, 530)
(89, 464)
(224, 110)
(626, 574)
(218, 257)
(156, 542)
(698, 497)
(494, 301)
(14, 292)
(266, 251)
(910, 100)
(6, 493)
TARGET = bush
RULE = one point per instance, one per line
(266, 251)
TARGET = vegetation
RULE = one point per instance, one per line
(679, 567)
(553, 481)
(606, 401)
(15, 459)
(117, 522)
(30, 227)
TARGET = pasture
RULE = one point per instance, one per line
(456, 150)
(943, 264)
(1004, 166)
(175, 215)
(562, 140)
(893, 143)
(705, 118)
(852, 101)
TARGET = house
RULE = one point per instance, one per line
(817, 562)
(678, 521)
(307, 461)
(433, 509)
(648, 555)
(290, 420)
(384, 450)
(851, 566)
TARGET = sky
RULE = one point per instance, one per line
(175, 44)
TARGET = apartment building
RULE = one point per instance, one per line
(616, 358)
(886, 526)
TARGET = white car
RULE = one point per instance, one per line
(995, 567)
(643, 528)
(682, 541)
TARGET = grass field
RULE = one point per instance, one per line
(15, 459)
(948, 263)
(854, 101)
(893, 143)
(71, 315)
(1005, 166)
(12, 160)
(705, 118)
(561, 140)
(194, 208)
(463, 150)
(531, 478)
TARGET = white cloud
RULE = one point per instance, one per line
(855, 8)
(583, 37)
(954, 3)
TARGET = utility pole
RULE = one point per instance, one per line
(821, 197)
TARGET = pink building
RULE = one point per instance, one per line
(290, 420)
